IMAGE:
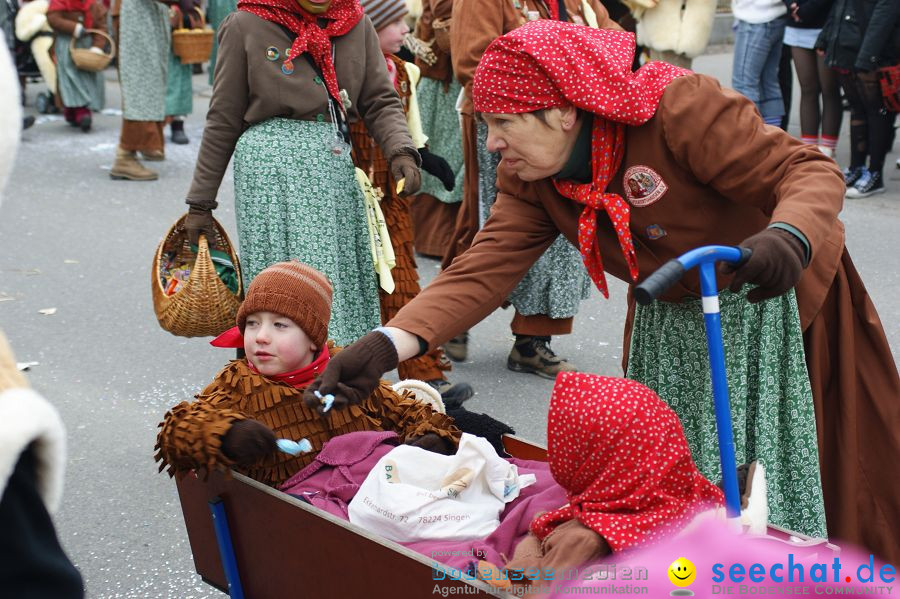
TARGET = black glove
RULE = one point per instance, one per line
(436, 166)
(352, 374)
(247, 441)
(200, 221)
(403, 166)
(776, 264)
(433, 442)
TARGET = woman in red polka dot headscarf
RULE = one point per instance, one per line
(636, 168)
(620, 454)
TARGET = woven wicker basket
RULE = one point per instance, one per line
(193, 46)
(204, 306)
(441, 29)
(87, 60)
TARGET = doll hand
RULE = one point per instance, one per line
(434, 443)
(353, 373)
(200, 221)
(247, 441)
(438, 167)
(776, 264)
(403, 167)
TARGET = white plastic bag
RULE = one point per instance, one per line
(416, 495)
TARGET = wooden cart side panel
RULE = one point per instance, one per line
(524, 450)
(285, 550)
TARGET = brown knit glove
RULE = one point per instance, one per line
(247, 441)
(10, 377)
(200, 221)
(776, 264)
(352, 375)
(404, 166)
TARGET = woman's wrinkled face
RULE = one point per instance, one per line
(390, 37)
(315, 7)
(530, 147)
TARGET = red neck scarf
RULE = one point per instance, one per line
(342, 16)
(302, 377)
(80, 6)
(620, 453)
(299, 378)
(607, 149)
(546, 64)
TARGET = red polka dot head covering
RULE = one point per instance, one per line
(340, 18)
(620, 453)
(546, 64)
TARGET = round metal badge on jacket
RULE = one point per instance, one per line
(643, 186)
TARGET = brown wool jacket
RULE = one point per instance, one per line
(477, 23)
(249, 88)
(706, 170)
(441, 70)
(191, 433)
(64, 22)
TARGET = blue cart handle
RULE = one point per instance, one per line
(655, 285)
(672, 271)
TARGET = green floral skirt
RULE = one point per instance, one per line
(294, 198)
(76, 87)
(769, 391)
(558, 281)
(440, 122)
(179, 92)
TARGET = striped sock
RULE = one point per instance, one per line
(829, 142)
(775, 121)
(809, 139)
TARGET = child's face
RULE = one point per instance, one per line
(390, 37)
(274, 344)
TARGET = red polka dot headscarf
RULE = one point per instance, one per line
(546, 64)
(340, 18)
(620, 453)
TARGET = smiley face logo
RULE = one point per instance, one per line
(682, 572)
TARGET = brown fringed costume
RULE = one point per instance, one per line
(369, 158)
(191, 434)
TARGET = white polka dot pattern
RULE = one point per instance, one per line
(620, 453)
(547, 63)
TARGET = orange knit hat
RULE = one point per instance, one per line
(295, 290)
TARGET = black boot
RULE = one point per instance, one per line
(178, 135)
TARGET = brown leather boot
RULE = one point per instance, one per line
(127, 166)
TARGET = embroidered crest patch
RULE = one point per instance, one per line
(643, 186)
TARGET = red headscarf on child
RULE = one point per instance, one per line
(342, 16)
(81, 6)
(546, 64)
(620, 453)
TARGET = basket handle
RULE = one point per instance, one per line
(196, 9)
(112, 44)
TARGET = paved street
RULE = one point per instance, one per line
(74, 240)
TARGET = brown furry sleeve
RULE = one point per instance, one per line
(190, 436)
(410, 418)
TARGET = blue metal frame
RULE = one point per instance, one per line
(226, 549)
(706, 258)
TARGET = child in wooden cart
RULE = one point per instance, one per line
(238, 419)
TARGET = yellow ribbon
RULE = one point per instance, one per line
(379, 240)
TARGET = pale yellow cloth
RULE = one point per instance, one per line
(379, 240)
(590, 17)
(413, 116)
(10, 377)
